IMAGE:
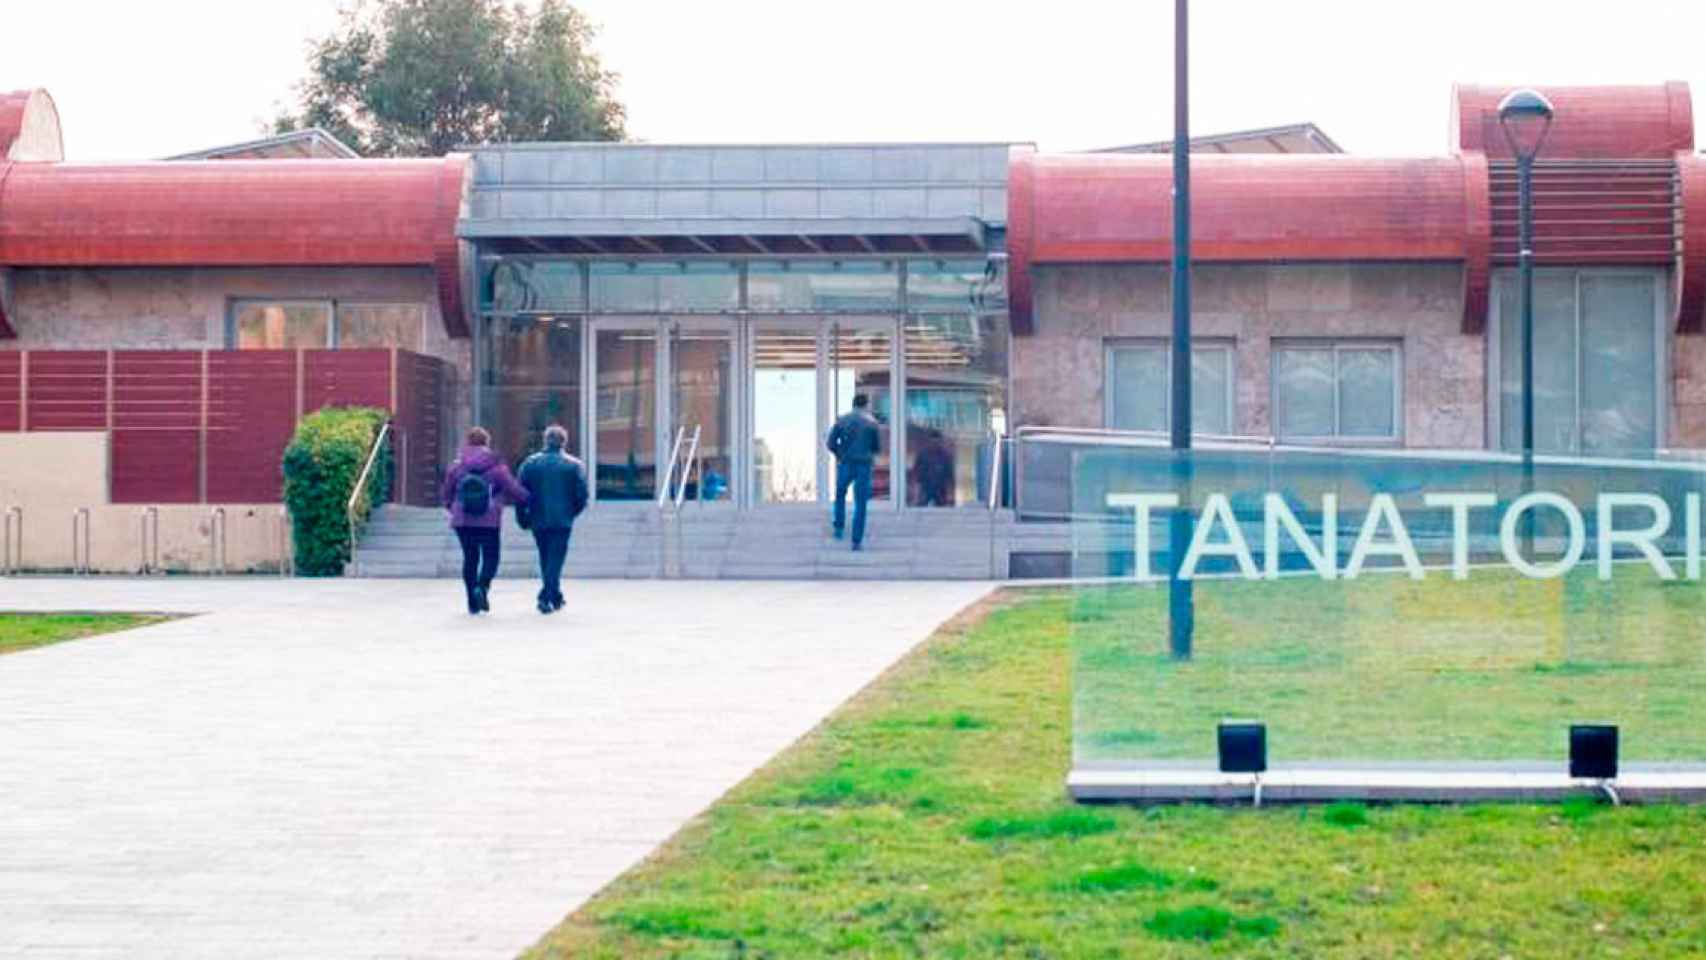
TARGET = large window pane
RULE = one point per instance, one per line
(1555, 398)
(517, 286)
(665, 287)
(1619, 365)
(282, 326)
(530, 378)
(1303, 391)
(1139, 387)
(974, 285)
(702, 392)
(380, 325)
(1211, 383)
(829, 287)
(785, 440)
(1367, 380)
(956, 383)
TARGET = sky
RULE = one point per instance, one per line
(142, 80)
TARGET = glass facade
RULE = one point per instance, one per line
(1596, 362)
(758, 357)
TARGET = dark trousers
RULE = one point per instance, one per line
(553, 549)
(855, 474)
(479, 556)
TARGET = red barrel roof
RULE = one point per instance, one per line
(239, 213)
(1589, 123)
(1117, 208)
(29, 127)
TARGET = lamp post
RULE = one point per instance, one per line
(1181, 612)
(1526, 117)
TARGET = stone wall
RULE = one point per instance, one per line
(1058, 372)
(1688, 392)
(150, 308)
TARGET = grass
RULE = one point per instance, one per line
(1493, 668)
(898, 830)
(27, 631)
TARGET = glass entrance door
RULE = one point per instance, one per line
(703, 398)
(625, 433)
(861, 361)
(788, 410)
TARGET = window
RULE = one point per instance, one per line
(1596, 362)
(1337, 391)
(281, 325)
(398, 325)
(1139, 387)
(648, 287)
(320, 324)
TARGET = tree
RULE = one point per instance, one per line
(420, 77)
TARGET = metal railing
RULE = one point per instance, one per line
(361, 485)
(995, 463)
(148, 540)
(217, 540)
(684, 461)
(80, 524)
(12, 546)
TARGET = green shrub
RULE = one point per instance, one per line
(321, 466)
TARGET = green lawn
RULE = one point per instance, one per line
(1384, 668)
(26, 631)
(927, 819)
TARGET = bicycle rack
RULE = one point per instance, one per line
(12, 547)
(80, 562)
(216, 540)
(149, 540)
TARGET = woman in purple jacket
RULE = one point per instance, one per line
(476, 489)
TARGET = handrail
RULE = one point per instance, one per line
(80, 563)
(12, 551)
(217, 540)
(668, 478)
(149, 536)
(995, 472)
(361, 483)
(688, 463)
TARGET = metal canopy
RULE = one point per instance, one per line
(636, 200)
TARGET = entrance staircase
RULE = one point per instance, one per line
(623, 540)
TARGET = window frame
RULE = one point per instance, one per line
(1662, 296)
(1228, 345)
(334, 325)
(1338, 345)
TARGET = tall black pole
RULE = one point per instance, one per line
(1525, 267)
(1181, 616)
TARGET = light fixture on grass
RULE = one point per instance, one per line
(1243, 748)
(1593, 755)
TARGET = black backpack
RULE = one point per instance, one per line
(475, 494)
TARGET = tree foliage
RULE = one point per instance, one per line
(420, 77)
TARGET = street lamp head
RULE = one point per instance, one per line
(1526, 116)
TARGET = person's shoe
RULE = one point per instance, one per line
(836, 532)
(482, 596)
(473, 603)
(545, 606)
(557, 604)
(858, 547)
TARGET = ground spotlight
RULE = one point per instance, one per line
(1244, 749)
(1593, 754)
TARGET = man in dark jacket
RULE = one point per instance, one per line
(855, 441)
(556, 489)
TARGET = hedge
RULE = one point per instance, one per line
(321, 466)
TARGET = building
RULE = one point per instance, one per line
(634, 291)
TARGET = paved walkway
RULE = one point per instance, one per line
(333, 769)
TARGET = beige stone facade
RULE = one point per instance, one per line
(1059, 371)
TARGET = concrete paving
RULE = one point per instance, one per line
(335, 769)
